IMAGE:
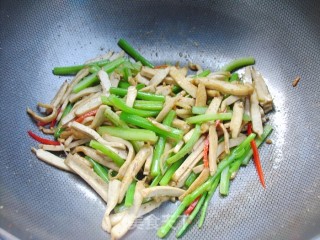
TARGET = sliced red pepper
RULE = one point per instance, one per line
(54, 121)
(256, 158)
(42, 124)
(161, 66)
(217, 123)
(42, 140)
(88, 114)
(192, 206)
(205, 153)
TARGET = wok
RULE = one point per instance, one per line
(40, 202)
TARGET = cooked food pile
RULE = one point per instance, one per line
(141, 135)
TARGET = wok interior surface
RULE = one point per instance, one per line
(40, 202)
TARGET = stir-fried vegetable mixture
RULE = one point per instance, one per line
(141, 135)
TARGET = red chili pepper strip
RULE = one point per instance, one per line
(42, 124)
(42, 140)
(192, 206)
(217, 123)
(205, 153)
(88, 114)
(54, 121)
(256, 158)
(161, 66)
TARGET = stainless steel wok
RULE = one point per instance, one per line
(40, 202)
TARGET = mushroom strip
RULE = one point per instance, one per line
(255, 114)
(228, 101)
(86, 173)
(226, 138)
(168, 105)
(221, 149)
(131, 96)
(80, 75)
(99, 117)
(97, 156)
(76, 96)
(133, 170)
(162, 191)
(158, 77)
(236, 120)
(147, 165)
(114, 186)
(213, 147)
(94, 135)
(190, 161)
(144, 209)
(236, 89)
(45, 119)
(182, 82)
(141, 79)
(51, 159)
(57, 100)
(197, 183)
(126, 222)
(201, 99)
(52, 148)
(262, 91)
(183, 178)
(89, 106)
(180, 124)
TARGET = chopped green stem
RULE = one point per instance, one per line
(266, 132)
(124, 85)
(69, 70)
(86, 82)
(130, 195)
(98, 169)
(235, 153)
(209, 117)
(234, 77)
(187, 147)
(192, 216)
(129, 133)
(114, 118)
(148, 105)
(234, 167)
(207, 201)
(133, 53)
(94, 69)
(176, 89)
(93, 78)
(225, 182)
(159, 147)
(199, 110)
(140, 95)
(58, 132)
(169, 173)
(65, 112)
(126, 74)
(238, 63)
(141, 122)
(156, 181)
(166, 227)
(140, 86)
(192, 177)
(205, 73)
(118, 103)
(107, 151)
